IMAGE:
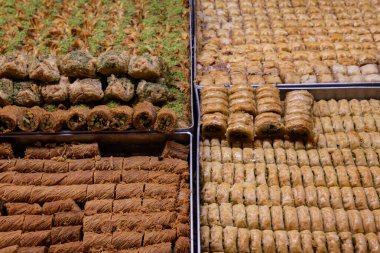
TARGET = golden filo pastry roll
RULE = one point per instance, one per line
(243, 240)
(324, 109)
(360, 158)
(216, 153)
(223, 193)
(268, 104)
(337, 157)
(323, 196)
(283, 175)
(252, 212)
(348, 198)
(346, 239)
(272, 178)
(256, 239)
(320, 241)
(344, 107)
(355, 107)
(260, 173)
(287, 196)
(268, 124)
(299, 195)
(205, 238)
(354, 139)
(291, 157)
(240, 127)
(353, 175)
(203, 215)
(376, 215)
(359, 242)
(237, 193)
(239, 216)
(280, 155)
(216, 172)
(275, 195)
(214, 125)
(342, 222)
(281, 239)
(369, 123)
(250, 194)
(290, 218)
(316, 219)
(226, 154)
(375, 171)
(371, 157)
(331, 140)
(360, 198)
(295, 243)
(375, 139)
(330, 176)
(268, 242)
(342, 176)
(264, 217)
(307, 241)
(259, 155)
(216, 239)
(230, 238)
(328, 217)
(366, 107)
(358, 123)
(319, 176)
(333, 242)
(336, 200)
(303, 158)
(307, 176)
(311, 196)
(348, 124)
(372, 198)
(209, 192)
(277, 218)
(368, 220)
(262, 195)
(324, 157)
(205, 172)
(355, 221)
(313, 157)
(213, 216)
(269, 156)
(304, 219)
(337, 123)
(213, 105)
(239, 173)
(372, 242)
(240, 103)
(296, 176)
(250, 173)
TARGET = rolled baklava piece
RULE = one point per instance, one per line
(214, 125)
(242, 99)
(76, 118)
(99, 118)
(113, 62)
(144, 116)
(121, 118)
(298, 114)
(79, 64)
(27, 94)
(29, 118)
(6, 151)
(166, 121)
(44, 68)
(56, 93)
(14, 66)
(119, 88)
(152, 92)
(268, 124)
(268, 99)
(8, 118)
(240, 127)
(146, 66)
(6, 92)
(52, 121)
(85, 90)
(214, 99)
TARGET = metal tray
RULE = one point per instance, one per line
(124, 145)
(319, 91)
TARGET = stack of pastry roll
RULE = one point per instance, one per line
(242, 108)
(268, 121)
(214, 110)
(298, 114)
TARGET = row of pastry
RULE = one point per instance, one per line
(291, 218)
(342, 107)
(283, 175)
(347, 123)
(351, 140)
(233, 239)
(311, 157)
(233, 113)
(335, 197)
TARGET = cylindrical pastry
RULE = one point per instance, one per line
(121, 118)
(99, 118)
(29, 119)
(268, 99)
(240, 127)
(166, 121)
(214, 125)
(52, 122)
(144, 116)
(268, 242)
(76, 118)
(268, 124)
(242, 99)
(9, 116)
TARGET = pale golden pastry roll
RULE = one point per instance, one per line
(264, 217)
(242, 101)
(320, 241)
(307, 241)
(344, 107)
(269, 156)
(311, 196)
(375, 171)
(353, 139)
(316, 110)
(371, 157)
(240, 127)
(331, 141)
(290, 218)
(295, 175)
(333, 106)
(333, 242)
(304, 219)
(323, 194)
(256, 239)
(303, 158)
(214, 105)
(337, 157)
(355, 107)
(337, 123)
(281, 239)
(272, 178)
(324, 109)
(268, 243)
(243, 239)
(336, 200)
(248, 155)
(249, 194)
(342, 223)
(205, 238)
(259, 155)
(226, 154)
(316, 219)
(322, 142)
(330, 176)
(360, 158)
(358, 123)
(269, 104)
(318, 129)
(355, 221)
(360, 243)
(223, 193)
(348, 124)
(295, 245)
(324, 157)
(365, 140)
(375, 105)
(260, 173)
(291, 157)
(369, 123)
(372, 242)
(372, 198)
(262, 195)
(236, 193)
(299, 195)
(299, 145)
(204, 215)
(213, 216)
(209, 192)
(239, 216)
(287, 196)
(216, 238)
(250, 173)
(327, 125)
(216, 172)
(275, 195)
(280, 155)
(368, 221)
(230, 239)
(366, 107)
(375, 139)
(214, 125)
(216, 154)
(257, 143)
(347, 245)
(205, 172)
(360, 198)
(225, 212)
(284, 175)
(342, 140)
(239, 175)
(307, 176)
(376, 117)
(328, 217)
(268, 125)
(228, 173)
(278, 143)
(288, 144)
(347, 156)
(348, 198)
(252, 212)
(319, 176)
(376, 215)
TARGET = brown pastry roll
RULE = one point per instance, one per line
(307, 241)
(166, 121)
(9, 116)
(372, 198)
(320, 241)
(76, 118)
(281, 239)
(240, 127)
(121, 118)
(268, 99)
(216, 239)
(85, 90)
(144, 116)
(359, 242)
(56, 93)
(256, 238)
(243, 240)
(242, 99)
(268, 242)
(29, 119)
(99, 118)
(268, 125)
(214, 125)
(52, 122)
